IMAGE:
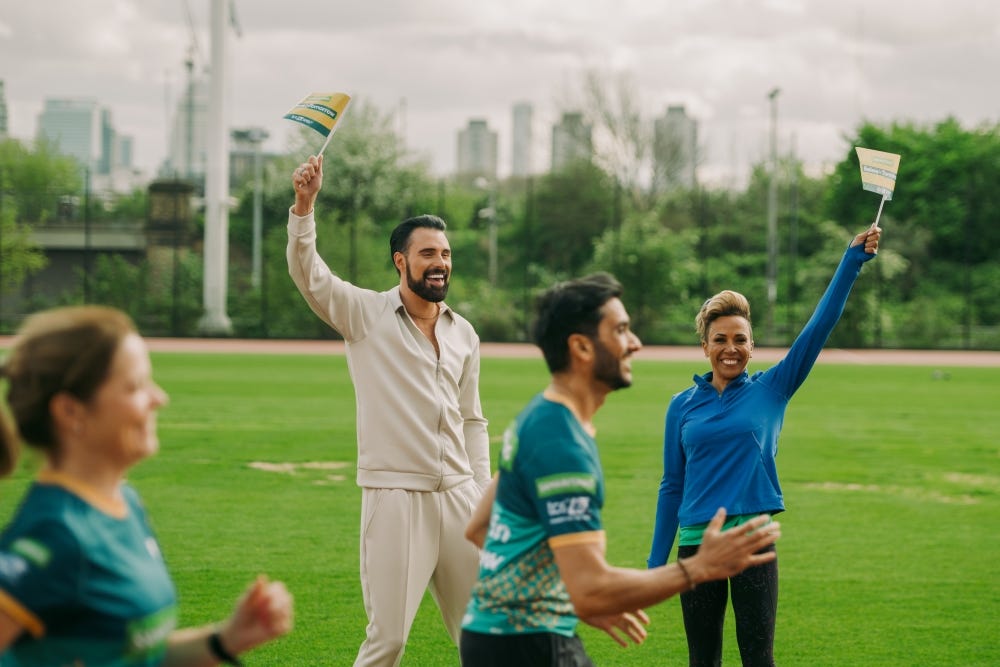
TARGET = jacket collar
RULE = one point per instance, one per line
(705, 381)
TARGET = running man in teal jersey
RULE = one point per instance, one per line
(542, 564)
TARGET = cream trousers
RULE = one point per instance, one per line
(411, 540)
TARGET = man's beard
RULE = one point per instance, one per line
(425, 291)
(608, 368)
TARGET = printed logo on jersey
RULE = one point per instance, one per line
(153, 548)
(12, 567)
(575, 508)
(509, 448)
(571, 482)
(498, 531)
(148, 636)
(491, 561)
(32, 550)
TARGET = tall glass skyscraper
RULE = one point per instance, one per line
(73, 127)
(522, 140)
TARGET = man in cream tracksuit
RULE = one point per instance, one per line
(423, 450)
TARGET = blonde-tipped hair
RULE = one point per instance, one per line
(726, 302)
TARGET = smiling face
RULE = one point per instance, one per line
(614, 347)
(728, 346)
(119, 422)
(426, 264)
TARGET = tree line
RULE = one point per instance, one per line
(933, 286)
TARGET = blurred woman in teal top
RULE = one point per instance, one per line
(82, 580)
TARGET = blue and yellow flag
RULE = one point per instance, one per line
(320, 111)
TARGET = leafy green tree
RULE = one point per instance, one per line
(19, 256)
(945, 184)
(659, 270)
(572, 208)
(24, 176)
(942, 217)
(33, 181)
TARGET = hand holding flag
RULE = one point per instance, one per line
(320, 111)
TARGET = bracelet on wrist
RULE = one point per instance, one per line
(687, 575)
(219, 651)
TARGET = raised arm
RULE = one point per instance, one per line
(335, 301)
(307, 181)
(789, 374)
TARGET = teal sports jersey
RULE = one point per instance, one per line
(89, 586)
(551, 487)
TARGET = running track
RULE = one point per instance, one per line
(981, 358)
(680, 353)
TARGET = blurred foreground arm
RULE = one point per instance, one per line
(263, 612)
(479, 522)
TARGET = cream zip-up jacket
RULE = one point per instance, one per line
(419, 419)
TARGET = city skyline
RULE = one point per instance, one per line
(836, 66)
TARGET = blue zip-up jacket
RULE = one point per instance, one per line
(719, 449)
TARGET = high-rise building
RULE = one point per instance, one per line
(124, 152)
(572, 140)
(521, 144)
(477, 150)
(109, 143)
(675, 150)
(187, 152)
(73, 127)
(3, 112)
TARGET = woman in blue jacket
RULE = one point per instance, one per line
(719, 445)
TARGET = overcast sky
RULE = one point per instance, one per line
(836, 63)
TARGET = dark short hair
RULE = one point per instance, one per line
(399, 240)
(574, 306)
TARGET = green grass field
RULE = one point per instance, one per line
(891, 476)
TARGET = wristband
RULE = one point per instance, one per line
(687, 575)
(219, 651)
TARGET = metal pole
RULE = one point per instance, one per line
(257, 135)
(493, 240)
(490, 215)
(175, 317)
(793, 239)
(215, 321)
(189, 121)
(3, 195)
(86, 234)
(772, 219)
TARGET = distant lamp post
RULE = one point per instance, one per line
(772, 220)
(255, 136)
(490, 215)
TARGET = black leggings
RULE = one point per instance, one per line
(539, 649)
(755, 605)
